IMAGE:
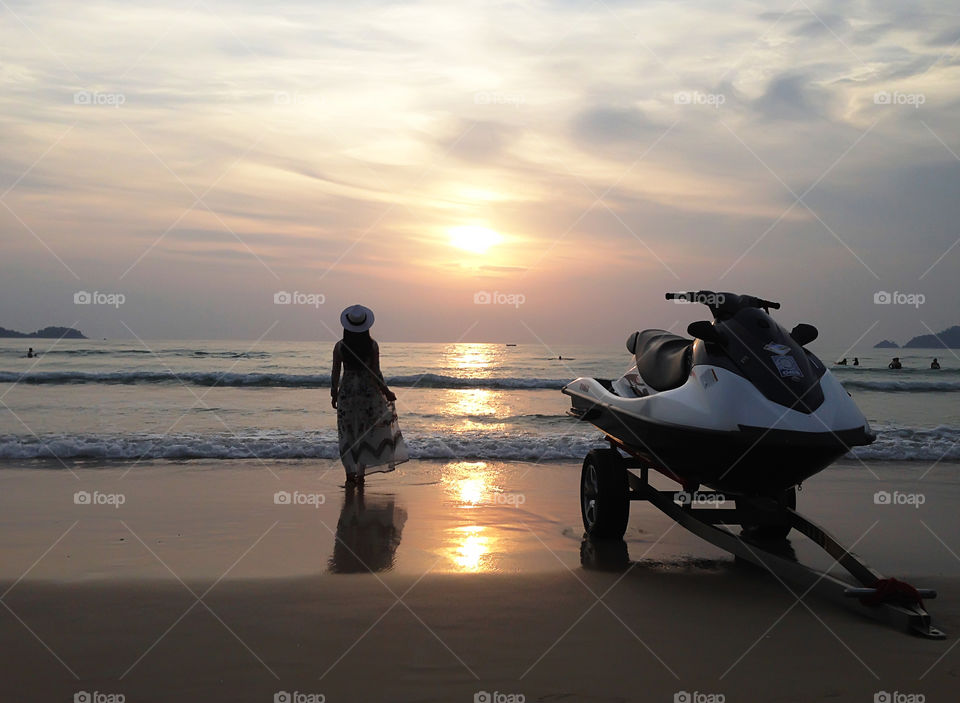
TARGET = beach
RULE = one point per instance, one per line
(223, 580)
(404, 352)
(176, 527)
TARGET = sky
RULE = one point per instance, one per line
(524, 171)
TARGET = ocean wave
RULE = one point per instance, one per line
(420, 380)
(284, 446)
(275, 380)
(893, 444)
(159, 353)
(940, 443)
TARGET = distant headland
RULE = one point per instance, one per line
(45, 333)
(945, 339)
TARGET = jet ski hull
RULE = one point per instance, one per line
(754, 460)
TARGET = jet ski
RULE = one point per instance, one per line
(740, 406)
(744, 408)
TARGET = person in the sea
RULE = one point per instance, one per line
(842, 362)
(856, 361)
(895, 364)
(368, 431)
(30, 353)
(935, 365)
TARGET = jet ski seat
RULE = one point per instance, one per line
(663, 359)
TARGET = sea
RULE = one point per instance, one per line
(85, 401)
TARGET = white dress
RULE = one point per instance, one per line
(367, 425)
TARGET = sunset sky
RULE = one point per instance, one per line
(577, 158)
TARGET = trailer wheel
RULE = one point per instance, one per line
(604, 495)
(774, 532)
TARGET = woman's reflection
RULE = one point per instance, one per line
(368, 533)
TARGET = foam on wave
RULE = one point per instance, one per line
(893, 444)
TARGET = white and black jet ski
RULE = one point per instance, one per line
(741, 407)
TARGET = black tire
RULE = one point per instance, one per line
(774, 532)
(604, 495)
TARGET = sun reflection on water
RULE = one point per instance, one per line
(471, 485)
(471, 549)
(472, 360)
(475, 409)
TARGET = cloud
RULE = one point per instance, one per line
(823, 25)
(480, 141)
(612, 125)
(503, 269)
(793, 97)
(947, 37)
(380, 138)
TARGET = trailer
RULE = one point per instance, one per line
(608, 484)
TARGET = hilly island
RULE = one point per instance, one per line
(945, 339)
(45, 333)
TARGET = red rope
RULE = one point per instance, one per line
(892, 591)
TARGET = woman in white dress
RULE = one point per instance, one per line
(369, 433)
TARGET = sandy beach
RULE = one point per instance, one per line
(201, 583)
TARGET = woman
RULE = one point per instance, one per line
(369, 434)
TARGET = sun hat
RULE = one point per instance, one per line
(357, 318)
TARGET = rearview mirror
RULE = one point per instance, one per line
(803, 334)
(704, 329)
(632, 342)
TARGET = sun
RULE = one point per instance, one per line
(474, 239)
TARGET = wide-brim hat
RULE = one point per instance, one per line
(357, 318)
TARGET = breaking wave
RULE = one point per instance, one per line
(893, 444)
(273, 380)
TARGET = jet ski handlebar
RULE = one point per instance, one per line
(723, 303)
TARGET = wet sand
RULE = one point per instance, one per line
(479, 585)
